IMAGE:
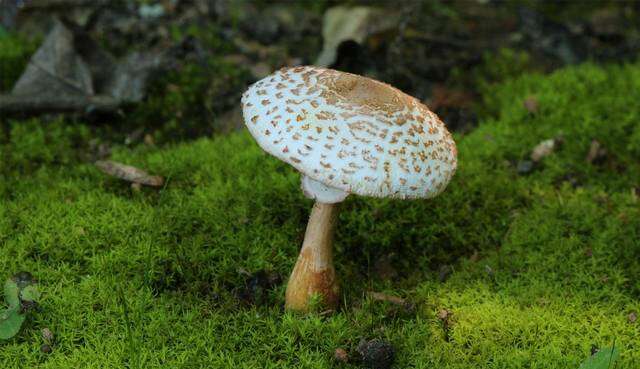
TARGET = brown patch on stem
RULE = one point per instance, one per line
(314, 273)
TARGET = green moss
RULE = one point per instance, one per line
(544, 265)
(31, 144)
(15, 52)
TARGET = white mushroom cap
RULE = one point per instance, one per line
(350, 133)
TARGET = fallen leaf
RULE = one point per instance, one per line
(56, 69)
(70, 72)
(350, 23)
(129, 173)
(632, 317)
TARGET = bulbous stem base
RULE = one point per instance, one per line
(314, 273)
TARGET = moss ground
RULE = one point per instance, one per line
(543, 265)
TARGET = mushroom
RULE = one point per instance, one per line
(346, 134)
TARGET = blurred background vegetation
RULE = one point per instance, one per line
(446, 54)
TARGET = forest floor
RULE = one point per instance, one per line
(519, 263)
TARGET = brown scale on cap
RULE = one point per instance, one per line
(356, 90)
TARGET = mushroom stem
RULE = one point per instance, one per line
(314, 272)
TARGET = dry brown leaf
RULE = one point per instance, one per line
(351, 23)
(56, 70)
(129, 173)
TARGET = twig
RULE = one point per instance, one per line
(34, 104)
